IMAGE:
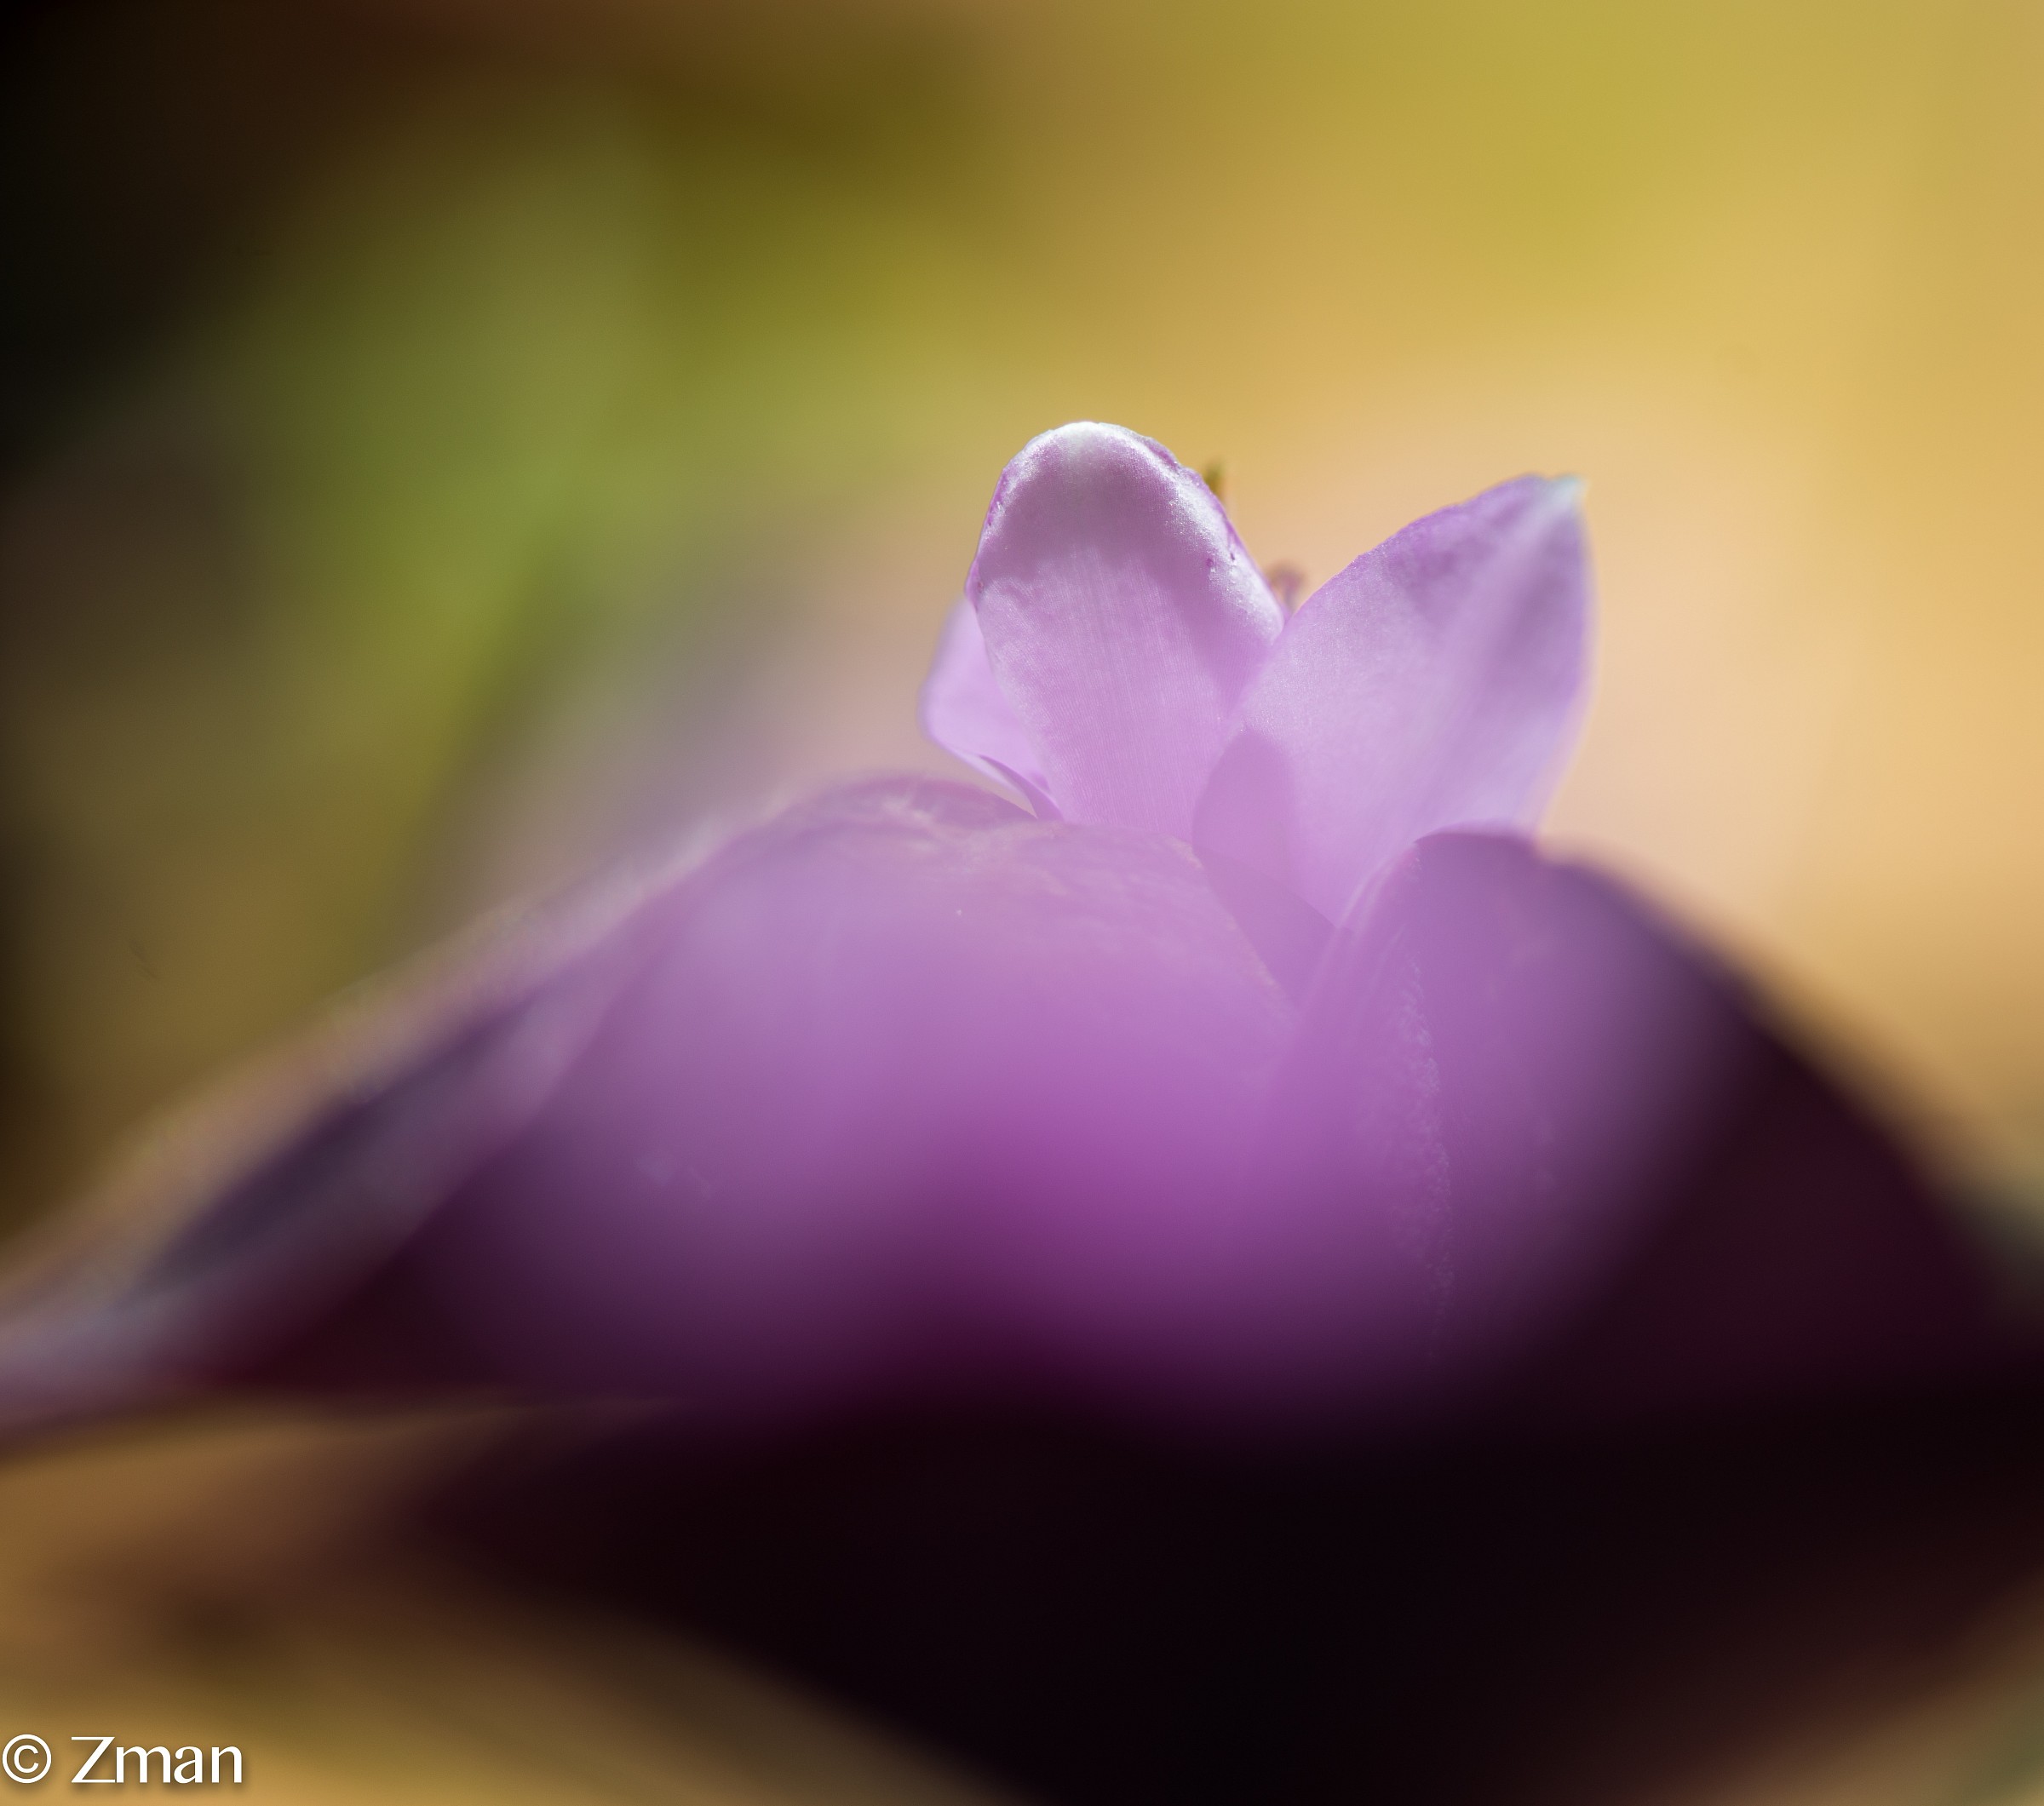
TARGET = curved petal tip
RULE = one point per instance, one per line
(1123, 620)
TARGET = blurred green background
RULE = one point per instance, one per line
(444, 442)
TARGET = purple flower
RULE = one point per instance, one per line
(1261, 1073)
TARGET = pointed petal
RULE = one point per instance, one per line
(1123, 619)
(962, 710)
(1435, 683)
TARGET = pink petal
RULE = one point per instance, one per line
(962, 710)
(1435, 683)
(904, 1090)
(913, 1086)
(1123, 619)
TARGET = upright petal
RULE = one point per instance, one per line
(962, 710)
(1123, 619)
(1435, 683)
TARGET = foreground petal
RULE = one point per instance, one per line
(913, 1090)
(1123, 619)
(1435, 683)
(1536, 1164)
(1558, 1155)
(908, 1095)
(962, 710)
(905, 1089)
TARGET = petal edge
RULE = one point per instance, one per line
(1123, 619)
(1435, 683)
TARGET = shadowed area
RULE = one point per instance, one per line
(1104, 1619)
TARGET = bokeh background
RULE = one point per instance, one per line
(445, 443)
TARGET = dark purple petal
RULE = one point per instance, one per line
(1435, 683)
(1555, 1150)
(257, 1214)
(962, 710)
(1123, 619)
